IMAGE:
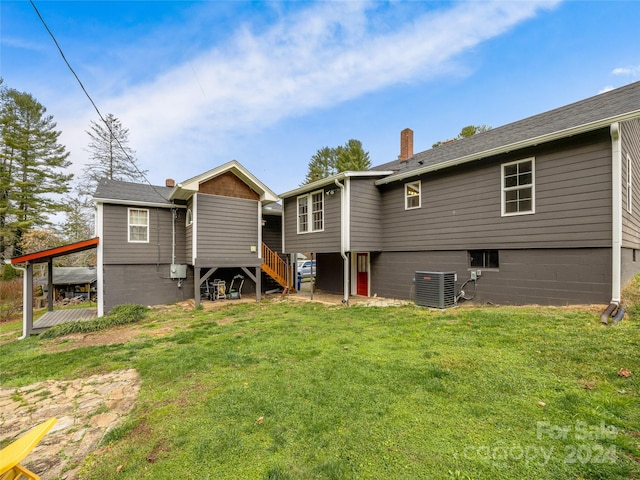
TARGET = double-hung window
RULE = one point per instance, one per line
(138, 225)
(411, 195)
(518, 187)
(311, 212)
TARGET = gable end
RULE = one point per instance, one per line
(228, 185)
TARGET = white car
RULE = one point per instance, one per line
(304, 269)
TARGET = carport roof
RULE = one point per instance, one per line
(46, 255)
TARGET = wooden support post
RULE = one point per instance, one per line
(196, 286)
(50, 285)
(258, 284)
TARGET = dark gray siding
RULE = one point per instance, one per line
(461, 207)
(325, 241)
(366, 216)
(227, 228)
(144, 285)
(331, 265)
(630, 134)
(272, 232)
(630, 265)
(118, 250)
(537, 276)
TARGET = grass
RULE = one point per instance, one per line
(304, 391)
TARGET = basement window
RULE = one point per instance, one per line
(411, 195)
(484, 259)
(138, 225)
(518, 194)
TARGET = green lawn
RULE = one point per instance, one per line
(303, 391)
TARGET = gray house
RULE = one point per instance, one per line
(163, 244)
(540, 211)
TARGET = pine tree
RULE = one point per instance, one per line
(32, 164)
(352, 157)
(321, 165)
(330, 161)
(110, 155)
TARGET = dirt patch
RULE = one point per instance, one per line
(112, 336)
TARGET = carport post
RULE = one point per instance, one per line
(50, 285)
(27, 301)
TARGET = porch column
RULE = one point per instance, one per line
(196, 286)
(258, 284)
(27, 301)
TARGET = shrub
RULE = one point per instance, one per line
(120, 315)
(9, 273)
(10, 299)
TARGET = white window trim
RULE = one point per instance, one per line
(309, 197)
(129, 225)
(188, 221)
(417, 184)
(629, 184)
(503, 189)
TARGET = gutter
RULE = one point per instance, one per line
(323, 182)
(136, 203)
(344, 223)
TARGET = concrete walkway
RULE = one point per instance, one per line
(86, 408)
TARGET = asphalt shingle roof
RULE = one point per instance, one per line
(132, 192)
(600, 107)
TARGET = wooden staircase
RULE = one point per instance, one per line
(275, 267)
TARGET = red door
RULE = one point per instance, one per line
(362, 275)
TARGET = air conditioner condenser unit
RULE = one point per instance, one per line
(435, 289)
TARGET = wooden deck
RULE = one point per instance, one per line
(58, 317)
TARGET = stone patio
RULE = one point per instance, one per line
(86, 409)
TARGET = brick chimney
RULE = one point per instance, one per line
(406, 144)
(170, 182)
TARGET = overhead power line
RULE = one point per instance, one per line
(91, 100)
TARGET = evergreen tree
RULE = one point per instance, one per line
(467, 131)
(352, 157)
(330, 161)
(321, 165)
(110, 155)
(78, 222)
(32, 164)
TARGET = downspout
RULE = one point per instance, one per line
(616, 222)
(343, 226)
(27, 303)
(174, 214)
(25, 300)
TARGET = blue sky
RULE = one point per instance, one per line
(270, 83)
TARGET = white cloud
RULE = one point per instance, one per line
(312, 58)
(632, 71)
